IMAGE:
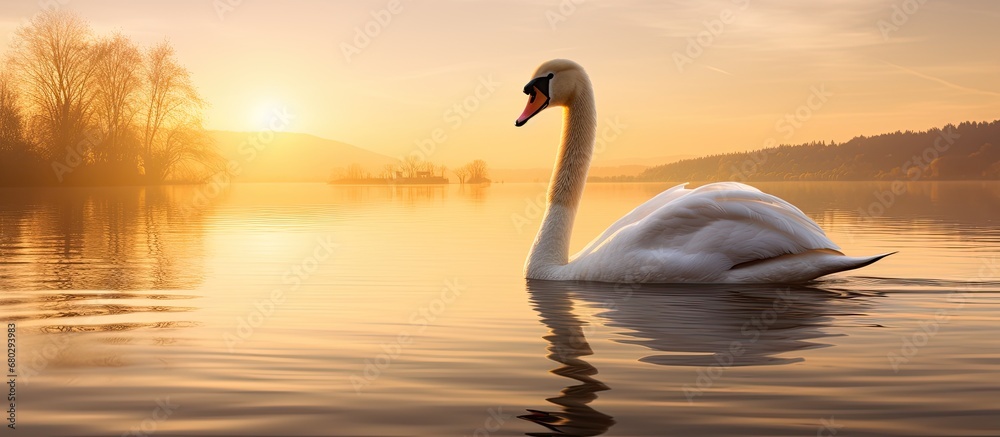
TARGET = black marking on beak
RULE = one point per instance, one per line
(538, 85)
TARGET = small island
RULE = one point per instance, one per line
(411, 171)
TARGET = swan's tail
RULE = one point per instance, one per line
(859, 262)
(799, 267)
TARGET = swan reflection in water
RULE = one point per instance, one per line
(683, 325)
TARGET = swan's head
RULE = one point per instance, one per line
(555, 83)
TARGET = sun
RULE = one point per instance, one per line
(266, 114)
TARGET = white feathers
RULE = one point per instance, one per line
(697, 235)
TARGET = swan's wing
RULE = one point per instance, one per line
(635, 215)
(711, 229)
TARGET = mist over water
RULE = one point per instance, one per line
(309, 309)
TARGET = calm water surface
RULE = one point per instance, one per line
(377, 311)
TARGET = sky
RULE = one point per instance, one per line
(680, 77)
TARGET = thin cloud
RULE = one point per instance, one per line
(942, 81)
(719, 70)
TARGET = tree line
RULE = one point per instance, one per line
(83, 109)
(965, 151)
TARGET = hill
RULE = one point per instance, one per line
(966, 151)
(291, 157)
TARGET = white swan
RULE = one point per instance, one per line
(723, 232)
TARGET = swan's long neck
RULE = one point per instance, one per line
(551, 247)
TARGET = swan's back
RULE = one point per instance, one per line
(721, 232)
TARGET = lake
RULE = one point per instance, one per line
(308, 309)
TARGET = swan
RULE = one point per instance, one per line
(724, 232)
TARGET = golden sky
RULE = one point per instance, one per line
(747, 63)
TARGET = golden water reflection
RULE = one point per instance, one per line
(128, 238)
(700, 326)
(121, 295)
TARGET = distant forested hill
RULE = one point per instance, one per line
(968, 151)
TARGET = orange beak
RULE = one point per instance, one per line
(537, 101)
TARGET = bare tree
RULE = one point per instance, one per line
(104, 105)
(388, 171)
(118, 80)
(187, 154)
(355, 171)
(428, 167)
(54, 61)
(173, 141)
(478, 171)
(461, 173)
(410, 165)
(11, 118)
